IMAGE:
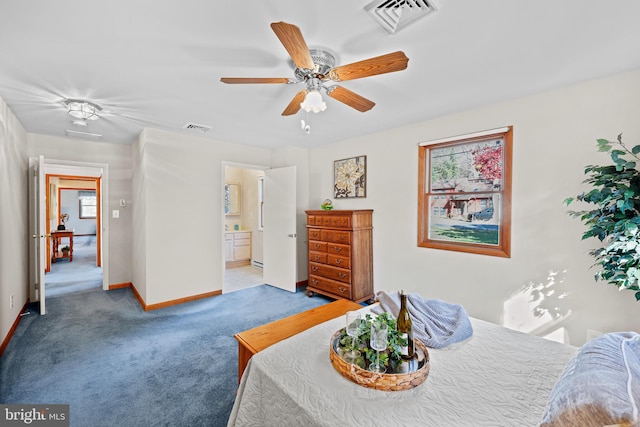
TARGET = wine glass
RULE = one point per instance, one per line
(353, 330)
(378, 342)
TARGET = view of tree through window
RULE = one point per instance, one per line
(465, 193)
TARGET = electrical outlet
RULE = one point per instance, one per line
(592, 333)
(11, 301)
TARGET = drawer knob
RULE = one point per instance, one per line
(317, 257)
(342, 290)
(342, 275)
(338, 261)
(341, 237)
(314, 281)
(337, 249)
(314, 268)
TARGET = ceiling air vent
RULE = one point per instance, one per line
(397, 14)
(196, 127)
(84, 135)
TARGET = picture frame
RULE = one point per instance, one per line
(465, 193)
(350, 177)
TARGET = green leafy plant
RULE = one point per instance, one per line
(65, 249)
(615, 219)
(391, 356)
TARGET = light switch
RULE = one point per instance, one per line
(115, 214)
(123, 203)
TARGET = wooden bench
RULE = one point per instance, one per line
(257, 339)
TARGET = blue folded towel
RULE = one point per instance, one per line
(436, 323)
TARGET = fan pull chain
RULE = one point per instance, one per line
(304, 125)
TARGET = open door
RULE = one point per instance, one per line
(38, 245)
(280, 263)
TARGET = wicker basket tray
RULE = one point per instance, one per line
(418, 371)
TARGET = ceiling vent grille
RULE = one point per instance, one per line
(394, 15)
(196, 127)
(84, 135)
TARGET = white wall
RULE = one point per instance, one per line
(14, 239)
(181, 227)
(547, 284)
(118, 157)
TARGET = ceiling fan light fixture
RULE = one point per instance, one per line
(82, 110)
(313, 102)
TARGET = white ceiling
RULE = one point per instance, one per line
(159, 63)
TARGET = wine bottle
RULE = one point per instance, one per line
(405, 327)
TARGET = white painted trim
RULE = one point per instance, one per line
(466, 136)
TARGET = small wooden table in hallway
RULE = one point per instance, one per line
(56, 236)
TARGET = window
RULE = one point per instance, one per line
(465, 193)
(87, 204)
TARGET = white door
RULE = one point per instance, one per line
(280, 263)
(38, 229)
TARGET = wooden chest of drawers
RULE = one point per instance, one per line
(341, 254)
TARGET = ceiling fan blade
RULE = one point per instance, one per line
(294, 105)
(291, 38)
(250, 80)
(350, 98)
(388, 63)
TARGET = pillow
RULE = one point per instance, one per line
(600, 386)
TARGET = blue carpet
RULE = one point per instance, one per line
(117, 365)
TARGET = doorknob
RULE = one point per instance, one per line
(35, 236)
(292, 235)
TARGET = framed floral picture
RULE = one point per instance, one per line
(350, 177)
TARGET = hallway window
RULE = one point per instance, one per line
(87, 204)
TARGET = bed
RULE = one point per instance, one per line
(497, 377)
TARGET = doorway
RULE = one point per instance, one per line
(243, 236)
(73, 212)
(44, 218)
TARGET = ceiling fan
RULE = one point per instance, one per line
(316, 67)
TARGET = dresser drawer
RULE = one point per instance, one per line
(335, 236)
(311, 220)
(317, 246)
(318, 257)
(338, 249)
(339, 261)
(314, 234)
(331, 272)
(324, 221)
(328, 285)
(342, 221)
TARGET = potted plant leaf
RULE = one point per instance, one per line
(65, 251)
(615, 217)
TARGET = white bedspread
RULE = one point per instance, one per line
(498, 377)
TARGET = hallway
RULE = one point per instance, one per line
(79, 275)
